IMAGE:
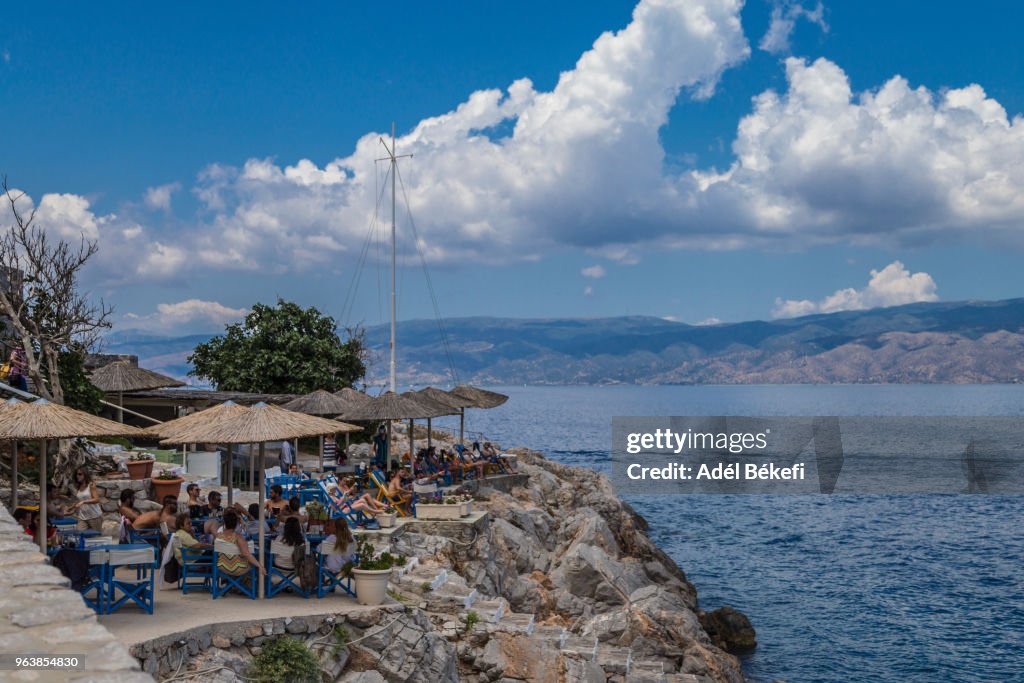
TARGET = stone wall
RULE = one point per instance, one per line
(40, 614)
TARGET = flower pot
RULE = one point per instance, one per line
(438, 511)
(463, 509)
(386, 519)
(165, 487)
(371, 585)
(469, 507)
(139, 469)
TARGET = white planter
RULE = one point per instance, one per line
(464, 507)
(386, 520)
(435, 511)
(469, 507)
(371, 585)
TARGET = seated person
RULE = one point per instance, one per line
(284, 545)
(195, 501)
(275, 504)
(251, 529)
(296, 471)
(183, 536)
(126, 506)
(214, 511)
(399, 485)
(151, 520)
(236, 564)
(342, 498)
(338, 548)
(29, 520)
(291, 511)
(472, 459)
(56, 504)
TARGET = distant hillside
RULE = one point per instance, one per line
(959, 342)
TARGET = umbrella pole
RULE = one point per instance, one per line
(462, 424)
(231, 473)
(42, 497)
(321, 453)
(120, 407)
(14, 475)
(429, 435)
(263, 516)
(252, 468)
(412, 449)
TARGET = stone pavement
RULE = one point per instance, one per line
(41, 615)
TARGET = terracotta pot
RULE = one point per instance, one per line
(371, 585)
(165, 487)
(139, 469)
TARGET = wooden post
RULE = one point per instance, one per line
(42, 497)
(262, 538)
(412, 451)
(429, 435)
(231, 473)
(14, 475)
(321, 453)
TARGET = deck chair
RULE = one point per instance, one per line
(339, 509)
(381, 482)
(196, 570)
(279, 565)
(327, 580)
(95, 590)
(222, 582)
(139, 590)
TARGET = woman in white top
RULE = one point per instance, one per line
(338, 548)
(87, 502)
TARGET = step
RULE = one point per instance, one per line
(449, 598)
(491, 611)
(613, 659)
(551, 634)
(518, 622)
(585, 648)
(647, 666)
(685, 678)
(434, 576)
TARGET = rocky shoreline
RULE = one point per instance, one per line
(559, 582)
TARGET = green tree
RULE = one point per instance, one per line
(79, 392)
(281, 349)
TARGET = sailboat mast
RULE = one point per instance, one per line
(394, 257)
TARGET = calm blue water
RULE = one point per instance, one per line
(839, 588)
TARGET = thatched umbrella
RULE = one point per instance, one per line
(391, 406)
(121, 376)
(44, 420)
(321, 402)
(457, 403)
(480, 398)
(167, 430)
(259, 423)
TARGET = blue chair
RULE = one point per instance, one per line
(196, 570)
(95, 590)
(223, 582)
(139, 590)
(340, 509)
(288, 577)
(327, 580)
(309, 494)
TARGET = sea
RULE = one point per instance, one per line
(881, 587)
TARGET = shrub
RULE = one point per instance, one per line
(285, 659)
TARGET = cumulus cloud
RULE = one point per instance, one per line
(588, 290)
(186, 316)
(785, 14)
(159, 197)
(595, 272)
(517, 173)
(891, 286)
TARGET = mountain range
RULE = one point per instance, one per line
(946, 342)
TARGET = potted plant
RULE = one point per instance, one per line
(387, 518)
(140, 466)
(467, 504)
(316, 512)
(165, 484)
(370, 572)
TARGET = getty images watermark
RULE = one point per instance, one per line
(731, 454)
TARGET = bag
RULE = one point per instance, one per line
(5, 371)
(172, 571)
(305, 568)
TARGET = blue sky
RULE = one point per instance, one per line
(702, 161)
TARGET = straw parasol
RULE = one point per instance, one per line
(213, 415)
(121, 376)
(321, 402)
(457, 403)
(480, 398)
(44, 420)
(259, 423)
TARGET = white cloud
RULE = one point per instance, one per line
(186, 316)
(785, 14)
(710, 321)
(595, 272)
(6, 55)
(891, 286)
(588, 290)
(159, 197)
